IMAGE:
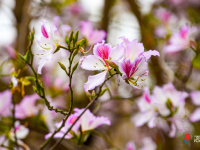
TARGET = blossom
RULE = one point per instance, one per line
(195, 99)
(148, 144)
(181, 40)
(93, 36)
(14, 81)
(164, 102)
(150, 108)
(134, 65)
(21, 132)
(130, 146)
(49, 41)
(11, 51)
(5, 103)
(27, 107)
(87, 122)
(98, 62)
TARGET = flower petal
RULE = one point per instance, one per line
(149, 53)
(91, 62)
(195, 116)
(43, 29)
(102, 51)
(117, 52)
(96, 36)
(195, 97)
(86, 28)
(94, 81)
(134, 49)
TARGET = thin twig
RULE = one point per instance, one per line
(15, 136)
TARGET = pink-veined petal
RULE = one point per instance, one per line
(95, 80)
(91, 62)
(102, 51)
(195, 116)
(43, 29)
(125, 40)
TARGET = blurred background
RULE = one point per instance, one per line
(134, 19)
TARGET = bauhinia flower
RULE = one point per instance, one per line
(134, 65)
(5, 103)
(92, 36)
(148, 144)
(130, 146)
(21, 132)
(27, 107)
(98, 62)
(150, 108)
(181, 40)
(195, 95)
(49, 41)
(87, 122)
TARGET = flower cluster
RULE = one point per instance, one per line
(128, 57)
(165, 104)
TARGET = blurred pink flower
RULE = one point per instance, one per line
(87, 122)
(148, 144)
(195, 97)
(130, 146)
(181, 40)
(5, 103)
(27, 107)
(92, 36)
(21, 133)
(150, 108)
(11, 51)
(97, 62)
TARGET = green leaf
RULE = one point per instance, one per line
(22, 58)
(62, 66)
(81, 42)
(75, 37)
(71, 37)
(75, 67)
(196, 62)
(67, 40)
(30, 78)
(75, 53)
(27, 56)
(93, 94)
(35, 90)
(103, 91)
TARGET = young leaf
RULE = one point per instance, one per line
(103, 91)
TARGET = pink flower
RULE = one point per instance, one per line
(90, 122)
(5, 103)
(148, 144)
(50, 40)
(130, 146)
(87, 122)
(93, 36)
(181, 40)
(21, 131)
(11, 51)
(134, 65)
(150, 108)
(27, 107)
(195, 95)
(97, 62)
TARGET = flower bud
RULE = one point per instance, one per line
(80, 42)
